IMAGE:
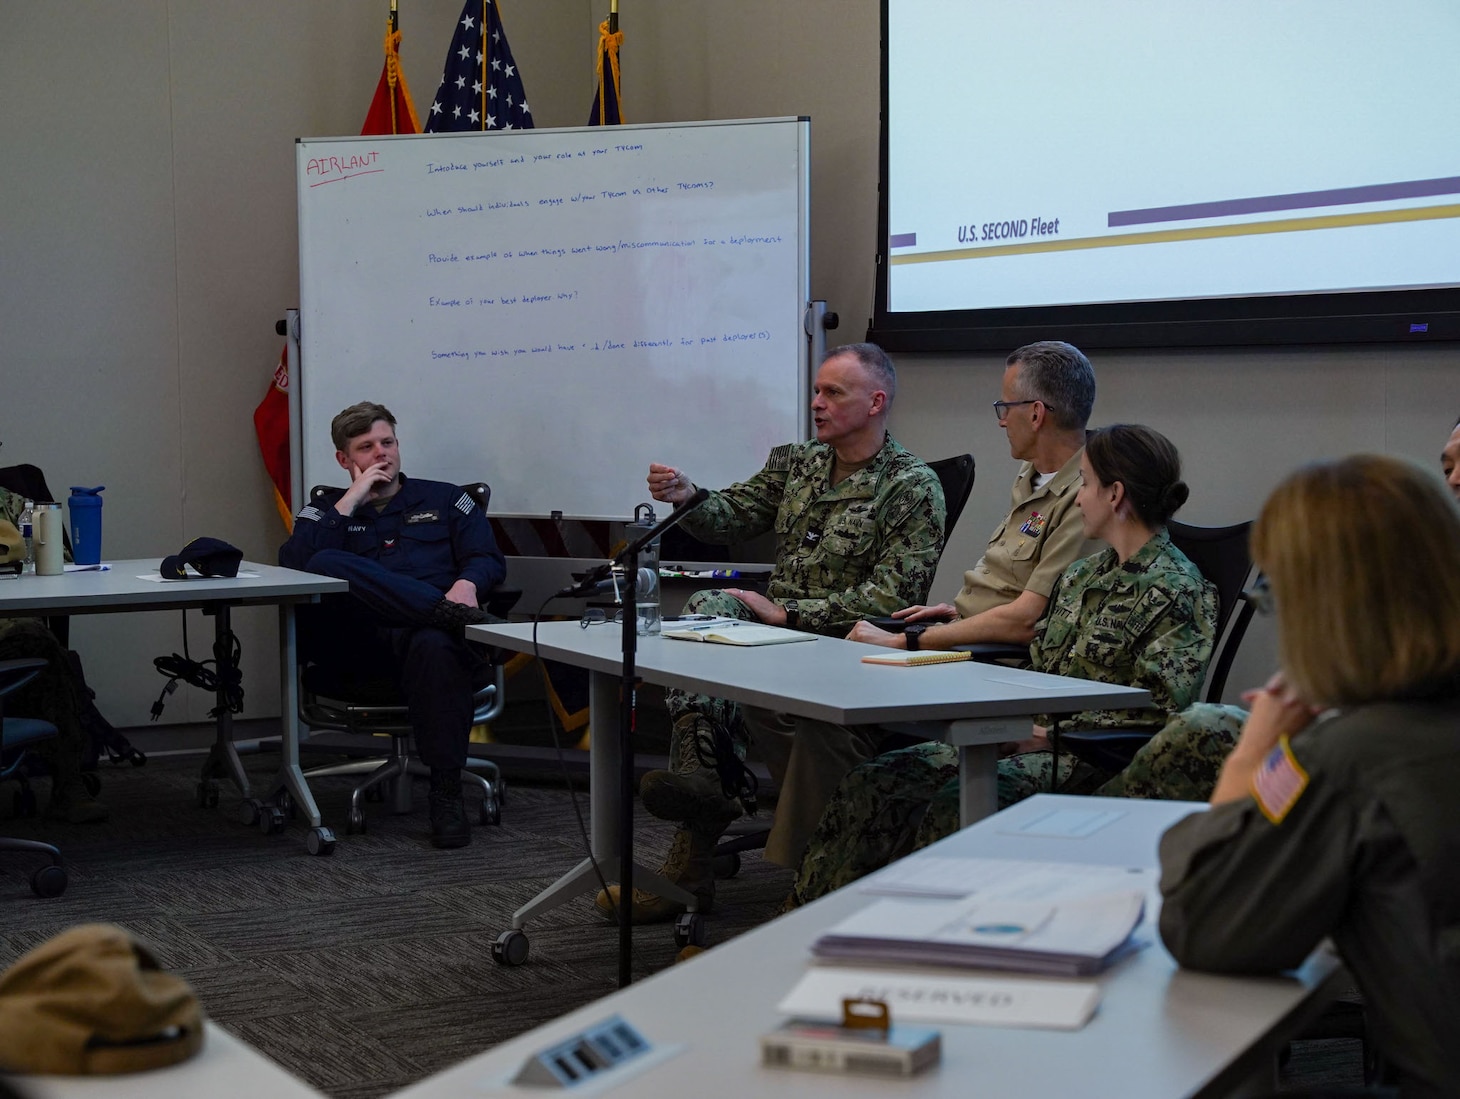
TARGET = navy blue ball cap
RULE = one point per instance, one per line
(210, 556)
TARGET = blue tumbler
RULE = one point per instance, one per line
(85, 506)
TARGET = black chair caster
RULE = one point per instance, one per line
(48, 881)
(726, 865)
(689, 930)
(320, 841)
(271, 820)
(491, 810)
(92, 781)
(207, 794)
(510, 948)
(250, 811)
(356, 823)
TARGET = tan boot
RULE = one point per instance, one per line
(688, 865)
(73, 803)
(690, 789)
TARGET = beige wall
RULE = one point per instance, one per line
(148, 244)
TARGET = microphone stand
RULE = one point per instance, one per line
(629, 559)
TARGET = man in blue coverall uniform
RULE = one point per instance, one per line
(418, 555)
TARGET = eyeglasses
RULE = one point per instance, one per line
(1001, 408)
(596, 616)
(1260, 596)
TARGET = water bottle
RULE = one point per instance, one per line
(85, 507)
(27, 532)
(646, 598)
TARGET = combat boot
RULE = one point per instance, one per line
(691, 789)
(73, 803)
(449, 826)
(688, 865)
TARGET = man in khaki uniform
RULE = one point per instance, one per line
(1047, 393)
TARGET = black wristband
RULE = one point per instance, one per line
(913, 635)
(793, 616)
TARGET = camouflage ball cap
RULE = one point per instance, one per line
(94, 1001)
(12, 545)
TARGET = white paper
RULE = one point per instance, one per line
(1066, 823)
(925, 998)
(1089, 926)
(87, 568)
(947, 876)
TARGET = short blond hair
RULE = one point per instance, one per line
(1363, 558)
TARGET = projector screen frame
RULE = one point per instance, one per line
(1404, 316)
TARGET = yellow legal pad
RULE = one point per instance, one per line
(908, 660)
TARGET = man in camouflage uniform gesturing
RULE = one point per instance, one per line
(859, 529)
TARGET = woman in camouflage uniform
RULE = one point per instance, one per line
(1138, 614)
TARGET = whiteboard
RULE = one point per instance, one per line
(551, 310)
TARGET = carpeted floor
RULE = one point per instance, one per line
(361, 972)
(368, 970)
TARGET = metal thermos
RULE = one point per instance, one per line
(48, 537)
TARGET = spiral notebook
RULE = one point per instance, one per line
(909, 660)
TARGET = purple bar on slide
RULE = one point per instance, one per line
(1302, 200)
(902, 240)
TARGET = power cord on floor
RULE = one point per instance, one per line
(220, 676)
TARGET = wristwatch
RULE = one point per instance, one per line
(913, 635)
(793, 614)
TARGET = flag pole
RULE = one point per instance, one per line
(390, 72)
(612, 16)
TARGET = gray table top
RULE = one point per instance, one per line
(824, 678)
(1159, 1031)
(121, 587)
(225, 1068)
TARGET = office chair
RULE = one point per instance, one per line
(329, 700)
(16, 735)
(956, 475)
(1221, 555)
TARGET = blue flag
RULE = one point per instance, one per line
(605, 110)
(481, 87)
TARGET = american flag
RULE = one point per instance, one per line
(1279, 782)
(481, 87)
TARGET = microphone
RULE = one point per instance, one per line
(673, 519)
(599, 579)
(596, 581)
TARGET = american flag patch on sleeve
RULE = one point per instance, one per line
(1279, 782)
(312, 513)
(464, 504)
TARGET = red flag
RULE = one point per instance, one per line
(271, 424)
(391, 112)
